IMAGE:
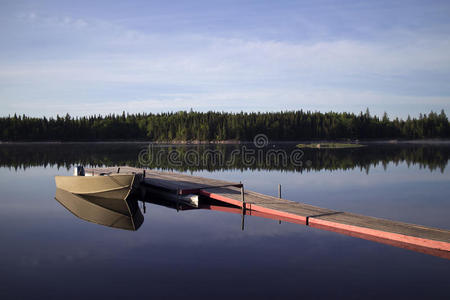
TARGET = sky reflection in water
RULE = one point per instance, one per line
(49, 252)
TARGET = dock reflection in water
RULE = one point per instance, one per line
(126, 214)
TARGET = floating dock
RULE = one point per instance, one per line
(418, 238)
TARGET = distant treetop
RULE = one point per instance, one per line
(218, 126)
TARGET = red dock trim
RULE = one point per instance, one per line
(249, 212)
(400, 244)
(432, 247)
(255, 207)
(220, 198)
(427, 243)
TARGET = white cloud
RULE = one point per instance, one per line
(94, 57)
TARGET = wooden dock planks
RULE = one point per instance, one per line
(168, 181)
(415, 237)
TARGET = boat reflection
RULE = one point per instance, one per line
(126, 214)
(122, 214)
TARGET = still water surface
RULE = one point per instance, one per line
(48, 252)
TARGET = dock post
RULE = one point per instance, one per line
(279, 196)
(243, 207)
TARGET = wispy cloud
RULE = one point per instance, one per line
(96, 64)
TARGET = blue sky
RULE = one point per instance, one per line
(86, 57)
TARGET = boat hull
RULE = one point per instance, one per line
(113, 187)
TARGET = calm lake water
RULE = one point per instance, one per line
(48, 252)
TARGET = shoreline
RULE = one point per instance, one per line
(236, 142)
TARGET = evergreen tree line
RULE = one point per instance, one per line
(219, 126)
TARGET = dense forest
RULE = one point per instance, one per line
(220, 126)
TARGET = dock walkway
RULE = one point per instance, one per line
(429, 240)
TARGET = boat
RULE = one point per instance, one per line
(110, 186)
(123, 214)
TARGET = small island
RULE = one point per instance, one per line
(330, 145)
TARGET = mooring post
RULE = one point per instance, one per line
(279, 196)
(242, 197)
(243, 206)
